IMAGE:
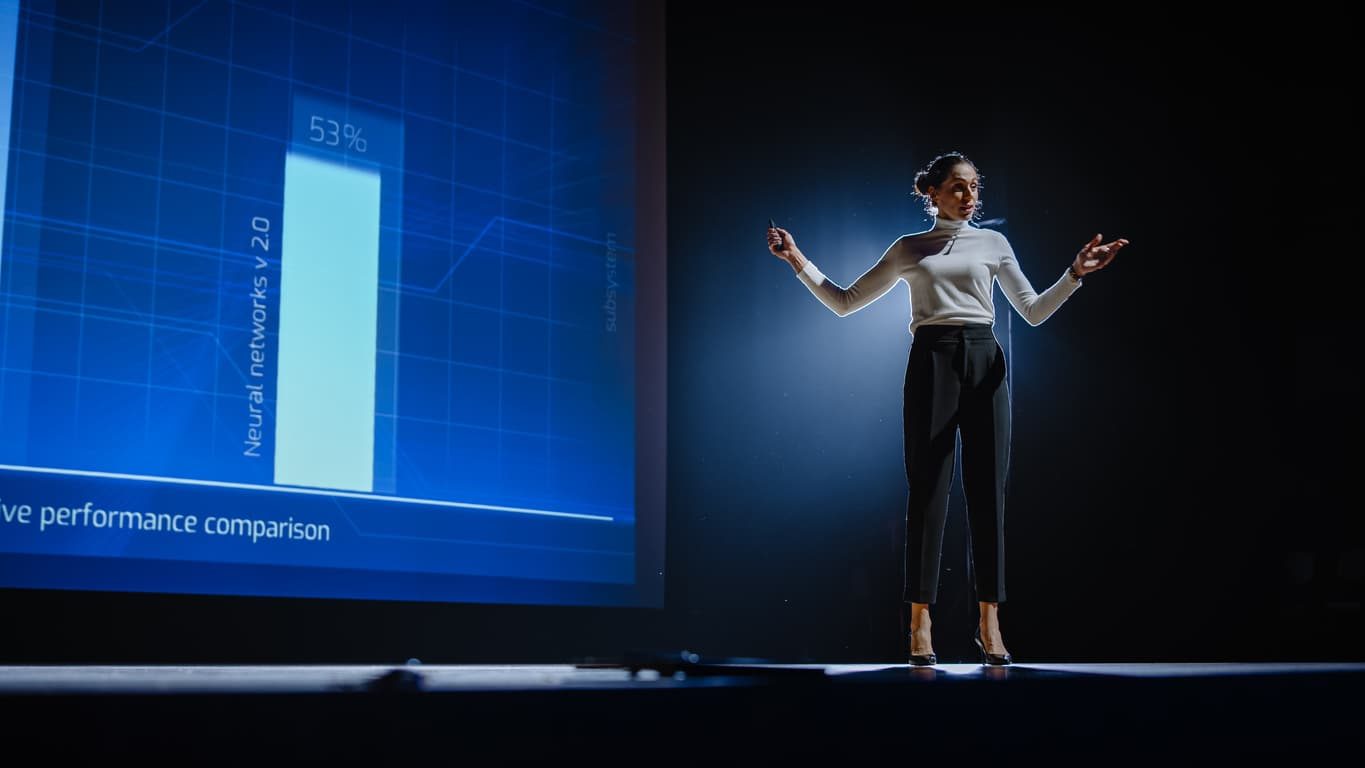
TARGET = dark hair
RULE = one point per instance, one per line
(936, 172)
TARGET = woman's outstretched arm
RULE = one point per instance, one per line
(870, 286)
(1035, 307)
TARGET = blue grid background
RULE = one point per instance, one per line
(146, 138)
(147, 135)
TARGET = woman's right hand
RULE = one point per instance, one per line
(781, 245)
(778, 238)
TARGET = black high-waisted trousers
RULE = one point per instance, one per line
(956, 379)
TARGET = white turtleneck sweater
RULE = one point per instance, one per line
(949, 269)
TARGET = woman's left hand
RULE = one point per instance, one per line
(1094, 257)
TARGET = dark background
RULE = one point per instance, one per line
(1184, 424)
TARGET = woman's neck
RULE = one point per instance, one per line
(944, 223)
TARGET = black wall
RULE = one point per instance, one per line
(1183, 424)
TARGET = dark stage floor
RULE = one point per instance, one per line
(125, 680)
(1113, 712)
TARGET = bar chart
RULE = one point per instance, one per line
(329, 294)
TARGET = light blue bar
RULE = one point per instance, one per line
(329, 312)
(9, 49)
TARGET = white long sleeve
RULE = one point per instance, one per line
(870, 286)
(1032, 306)
(950, 269)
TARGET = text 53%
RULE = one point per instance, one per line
(332, 133)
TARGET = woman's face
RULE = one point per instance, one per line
(957, 197)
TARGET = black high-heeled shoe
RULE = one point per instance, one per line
(991, 659)
(921, 659)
